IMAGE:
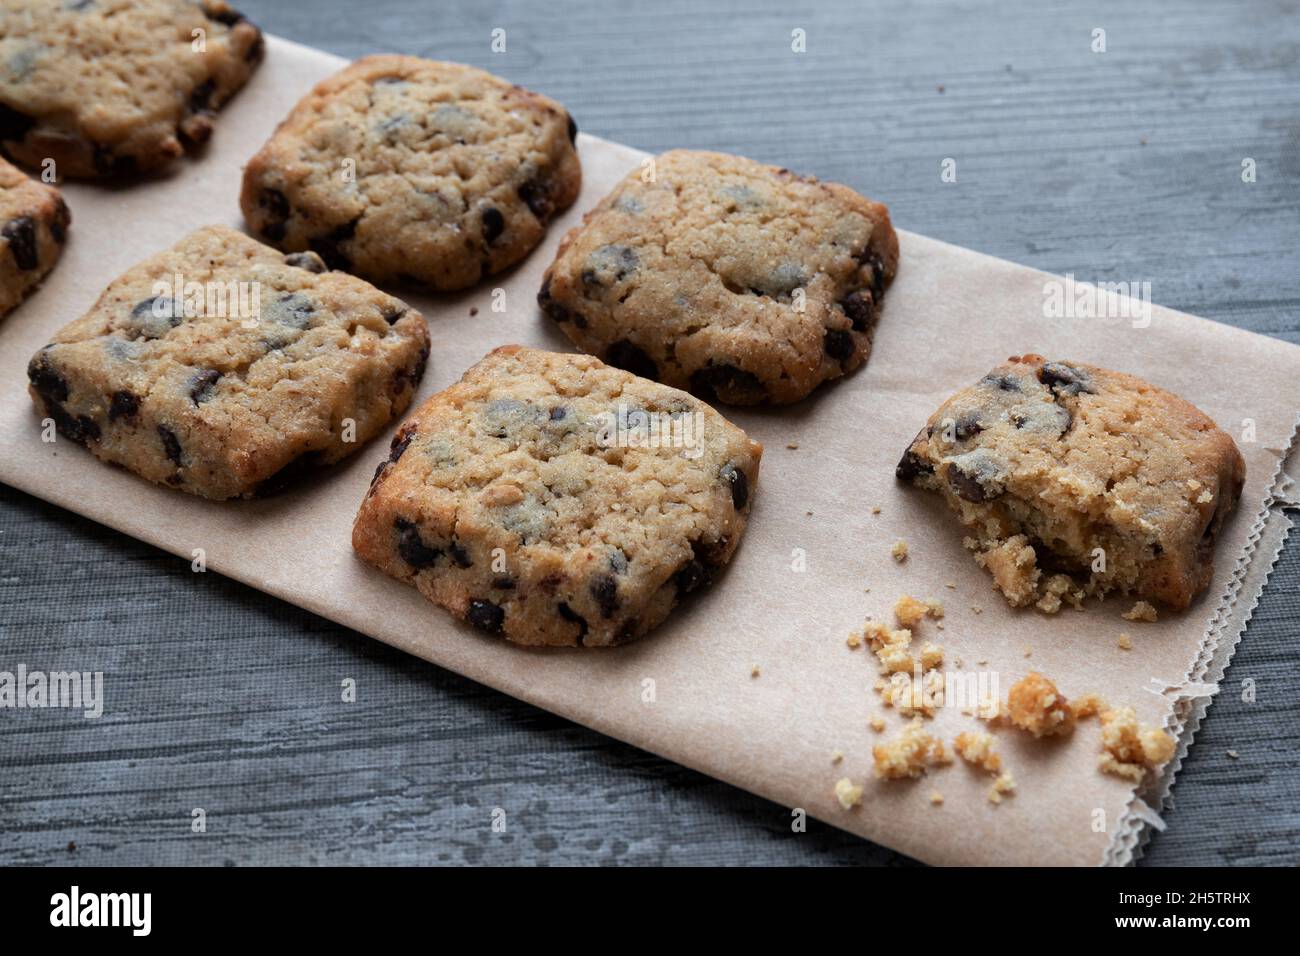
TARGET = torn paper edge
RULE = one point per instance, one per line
(1224, 631)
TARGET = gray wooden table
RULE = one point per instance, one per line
(1122, 165)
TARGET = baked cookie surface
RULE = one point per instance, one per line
(33, 227)
(409, 170)
(112, 87)
(741, 282)
(525, 501)
(1077, 480)
(224, 368)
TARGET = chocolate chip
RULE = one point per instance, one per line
(171, 445)
(62, 219)
(21, 233)
(392, 315)
(911, 466)
(400, 443)
(307, 260)
(46, 379)
(608, 265)
(493, 223)
(79, 428)
(550, 308)
(536, 195)
(727, 383)
(877, 274)
(605, 590)
(739, 482)
(275, 209)
(123, 404)
(228, 17)
(839, 344)
(1065, 379)
(558, 413)
(1003, 383)
(975, 476)
(256, 50)
(201, 98)
(690, 576)
(859, 307)
(632, 358)
(412, 547)
(328, 246)
(504, 582)
(294, 310)
(201, 385)
(460, 556)
(966, 426)
(569, 614)
(13, 124)
(573, 131)
(486, 616)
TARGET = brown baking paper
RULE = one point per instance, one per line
(948, 318)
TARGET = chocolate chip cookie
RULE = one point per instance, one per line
(33, 227)
(108, 88)
(224, 368)
(407, 170)
(742, 282)
(557, 501)
(1077, 480)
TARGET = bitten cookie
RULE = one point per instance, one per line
(113, 87)
(1069, 468)
(742, 282)
(557, 501)
(224, 368)
(33, 226)
(407, 170)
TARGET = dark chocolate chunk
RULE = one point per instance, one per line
(123, 404)
(859, 307)
(839, 344)
(201, 98)
(460, 556)
(727, 383)
(1065, 379)
(609, 264)
(536, 195)
(569, 614)
(632, 358)
(558, 413)
(605, 590)
(549, 307)
(62, 219)
(109, 164)
(81, 429)
(46, 379)
(201, 385)
(967, 425)
(975, 477)
(486, 616)
(391, 316)
(21, 233)
(739, 483)
(228, 17)
(911, 466)
(412, 547)
(171, 445)
(1004, 383)
(690, 576)
(493, 224)
(573, 131)
(275, 207)
(400, 442)
(306, 260)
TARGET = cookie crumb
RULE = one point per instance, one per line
(876, 723)
(899, 551)
(837, 757)
(754, 672)
(793, 446)
(1002, 786)
(1129, 749)
(909, 611)
(976, 748)
(1125, 642)
(875, 510)
(1089, 705)
(1141, 611)
(473, 311)
(936, 798)
(847, 793)
(1035, 705)
(910, 754)
(854, 641)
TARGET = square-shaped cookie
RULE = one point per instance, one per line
(408, 170)
(741, 282)
(107, 88)
(558, 501)
(33, 227)
(223, 367)
(1077, 480)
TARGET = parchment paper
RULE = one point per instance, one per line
(950, 316)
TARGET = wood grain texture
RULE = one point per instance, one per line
(1117, 166)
